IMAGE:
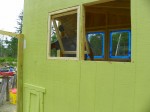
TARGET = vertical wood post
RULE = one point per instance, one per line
(82, 33)
(7, 88)
(20, 75)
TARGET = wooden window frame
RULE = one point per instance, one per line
(59, 13)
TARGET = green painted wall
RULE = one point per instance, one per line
(84, 86)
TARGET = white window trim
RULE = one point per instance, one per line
(49, 32)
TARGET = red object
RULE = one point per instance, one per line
(6, 73)
(14, 90)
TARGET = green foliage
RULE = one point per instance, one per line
(54, 52)
(2, 49)
(19, 23)
(53, 38)
(2, 60)
(8, 61)
(12, 48)
(96, 42)
(122, 49)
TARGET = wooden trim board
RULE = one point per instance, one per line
(11, 34)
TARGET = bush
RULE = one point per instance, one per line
(8, 61)
(2, 60)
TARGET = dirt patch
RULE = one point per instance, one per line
(7, 107)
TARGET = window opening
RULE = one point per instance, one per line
(114, 19)
(63, 35)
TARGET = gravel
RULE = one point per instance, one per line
(7, 107)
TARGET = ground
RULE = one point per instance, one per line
(7, 107)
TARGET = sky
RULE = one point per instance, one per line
(9, 11)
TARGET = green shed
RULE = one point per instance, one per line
(85, 56)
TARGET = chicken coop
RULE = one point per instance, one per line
(85, 56)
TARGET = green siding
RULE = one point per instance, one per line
(84, 86)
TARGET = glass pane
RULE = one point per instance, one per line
(96, 43)
(120, 43)
(64, 35)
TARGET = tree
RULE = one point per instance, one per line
(1, 48)
(13, 42)
(20, 23)
(96, 43)
(122, 43)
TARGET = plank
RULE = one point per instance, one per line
(11, 34)
(20, 75)
(58, 35)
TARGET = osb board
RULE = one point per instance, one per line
(74, 86)
(107, 85)
(87, 87)
(124, 85)
(104, 87)
(61, 81)
(63, 86)
(142, 91)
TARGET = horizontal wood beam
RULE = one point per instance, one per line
(109, 26)
(11, 34)
(110, 3)
(73, 52)
(64, 14)
(102, 10)
(97, 2)
(110, 7)
(69, 52)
